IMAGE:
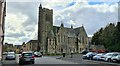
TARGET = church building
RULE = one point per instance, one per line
(59, 39)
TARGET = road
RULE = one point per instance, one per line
(49, 60)
(61, 60)
(42, 60)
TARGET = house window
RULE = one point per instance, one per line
(64, 38)
(82, 39)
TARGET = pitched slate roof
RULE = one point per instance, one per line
(77, 30)
(55, 29)
(32, 41)
(70, 32)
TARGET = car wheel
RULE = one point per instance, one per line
(20, 63)
(33, 62)
(6, 59)
(14, 59)
(109, 60)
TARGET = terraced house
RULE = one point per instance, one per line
(31, 45)
(59, 39)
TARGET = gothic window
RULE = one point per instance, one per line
(50, 42)
(64, 38)
(58, 38)
(30, 43)
(82, 39)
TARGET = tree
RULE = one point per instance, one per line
(108, 36)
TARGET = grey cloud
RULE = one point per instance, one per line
(94, 20)
(27, 8)
(30, 28)
(23, 39)
(89, 17)
(15, 35)
(12, 28)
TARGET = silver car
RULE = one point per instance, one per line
(116, 59)
(98, 56)
(107, 57)
(10, 56)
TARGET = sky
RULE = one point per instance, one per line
(22, 17)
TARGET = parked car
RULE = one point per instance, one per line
(37, 54)
(116, 59)
(98, 56)
(84, 51)
(10, 56)
(26, 57)
(4, 53)
(107, 57)
(101, 51)
(89, 55)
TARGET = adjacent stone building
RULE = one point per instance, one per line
(24, 46)
(17, 48)
(59, 39)
(8, 47)
(31, 45)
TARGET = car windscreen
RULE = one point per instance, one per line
(108, 54)
(11, 54)
(115, 54)
(99, 55)
(27, 54)
(37, 53)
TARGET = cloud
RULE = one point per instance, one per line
(21, 21)
(93, 17)
(15, 35)
(24, 39)
(25, 8)
(22, 17)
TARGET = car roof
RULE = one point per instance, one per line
(27, 52)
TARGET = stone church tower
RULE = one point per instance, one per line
(45, 25)
(59, 39)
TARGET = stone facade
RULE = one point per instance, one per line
(17, 48)
(59, 39)
(24, 46)
(8, 47)
(31, 45)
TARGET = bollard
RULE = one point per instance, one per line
(63, 54)
(71, 55)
